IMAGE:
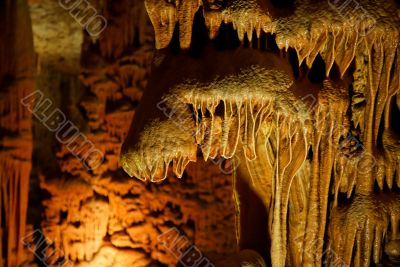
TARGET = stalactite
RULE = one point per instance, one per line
(260, 170)
(366, 222)
(298, 207)
(291, 153)
(156, 168)
(236, 198)
(163, 18)
(126, 26)
(329, 114)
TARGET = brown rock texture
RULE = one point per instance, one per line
(102, 217)
(16, 81)
(261, 133)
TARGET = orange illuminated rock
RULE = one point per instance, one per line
(280, 116)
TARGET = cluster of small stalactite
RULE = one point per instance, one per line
(248, 103)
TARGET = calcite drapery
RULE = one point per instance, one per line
(340, 145)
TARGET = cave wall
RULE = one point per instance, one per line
(97, 215)
(16, 80)
(105, 212)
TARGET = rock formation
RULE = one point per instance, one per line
(262, 133)
(318, 134)
(16, 81)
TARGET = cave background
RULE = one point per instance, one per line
(98, 85)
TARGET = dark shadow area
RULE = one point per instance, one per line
(253, 221)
